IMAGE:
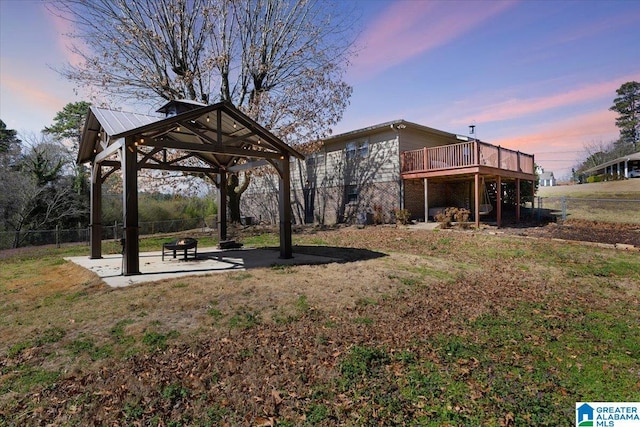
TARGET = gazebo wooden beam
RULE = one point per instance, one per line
(214, 149)
(109, 151)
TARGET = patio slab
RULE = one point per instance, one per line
(208, 261)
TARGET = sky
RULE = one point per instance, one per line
(537, 76)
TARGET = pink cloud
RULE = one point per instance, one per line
(63, 27)
(569, 133)
(410, 28)
(518, 107)
(35, 96)
(561, 145)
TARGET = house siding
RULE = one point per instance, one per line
(344, 180)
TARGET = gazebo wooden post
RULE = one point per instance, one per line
(96, 208)
(131, 264)
(222, 206)
(286, 250)
(499, 201)
(476, 193)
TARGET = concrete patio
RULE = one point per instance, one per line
(208, 261)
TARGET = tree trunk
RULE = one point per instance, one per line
(234, 206)
(234, 192)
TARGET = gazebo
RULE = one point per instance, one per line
(214, 140)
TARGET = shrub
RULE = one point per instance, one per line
(378, 214)
(402, 216)
(452, 214)
(461, 215)
(445, 217)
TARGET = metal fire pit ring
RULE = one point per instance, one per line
(183, 244)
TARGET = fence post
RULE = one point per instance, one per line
(564, 208)
(57, 236)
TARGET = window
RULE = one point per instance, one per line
(352, 193)
(351, 150)
(357, 149)
(363, 149)
(311, 162)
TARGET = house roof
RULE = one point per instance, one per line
(394, 124)
(629, 157)
(219, 134)
(546, 175)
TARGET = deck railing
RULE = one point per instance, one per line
(466, 154)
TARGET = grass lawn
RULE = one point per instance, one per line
(430, 328)
(612, 201)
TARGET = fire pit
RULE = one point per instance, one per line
(183, 244)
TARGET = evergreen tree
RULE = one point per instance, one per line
(68, 123)
(9, 140)
(627, 105)
(67, 129)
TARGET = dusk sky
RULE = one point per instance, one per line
(536, 76)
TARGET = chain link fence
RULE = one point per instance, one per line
(58, 236)
(605, 210)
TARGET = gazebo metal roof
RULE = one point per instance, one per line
(220, 134)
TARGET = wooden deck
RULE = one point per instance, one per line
(472, 160)
(467, 158)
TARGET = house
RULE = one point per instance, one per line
(394, 165)
(547, 179)
(626, 166)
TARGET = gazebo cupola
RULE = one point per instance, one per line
(179, 106)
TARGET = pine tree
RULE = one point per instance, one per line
(627, 105)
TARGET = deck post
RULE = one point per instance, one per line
(96, 208)
(533, 195)
(477, 199)
(426, 199)
(131, 264)
(425, 159)
(518, 200)
(499, 201)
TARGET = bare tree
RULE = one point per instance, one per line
(280, 61)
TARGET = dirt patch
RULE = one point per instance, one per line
(586, 231)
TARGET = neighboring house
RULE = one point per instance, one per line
(547, 179)
(626, 166)
(381, 168)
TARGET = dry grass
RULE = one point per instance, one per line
(626, 189)
(613, 201)
(337, 344)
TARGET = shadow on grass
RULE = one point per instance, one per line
(338, 254)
